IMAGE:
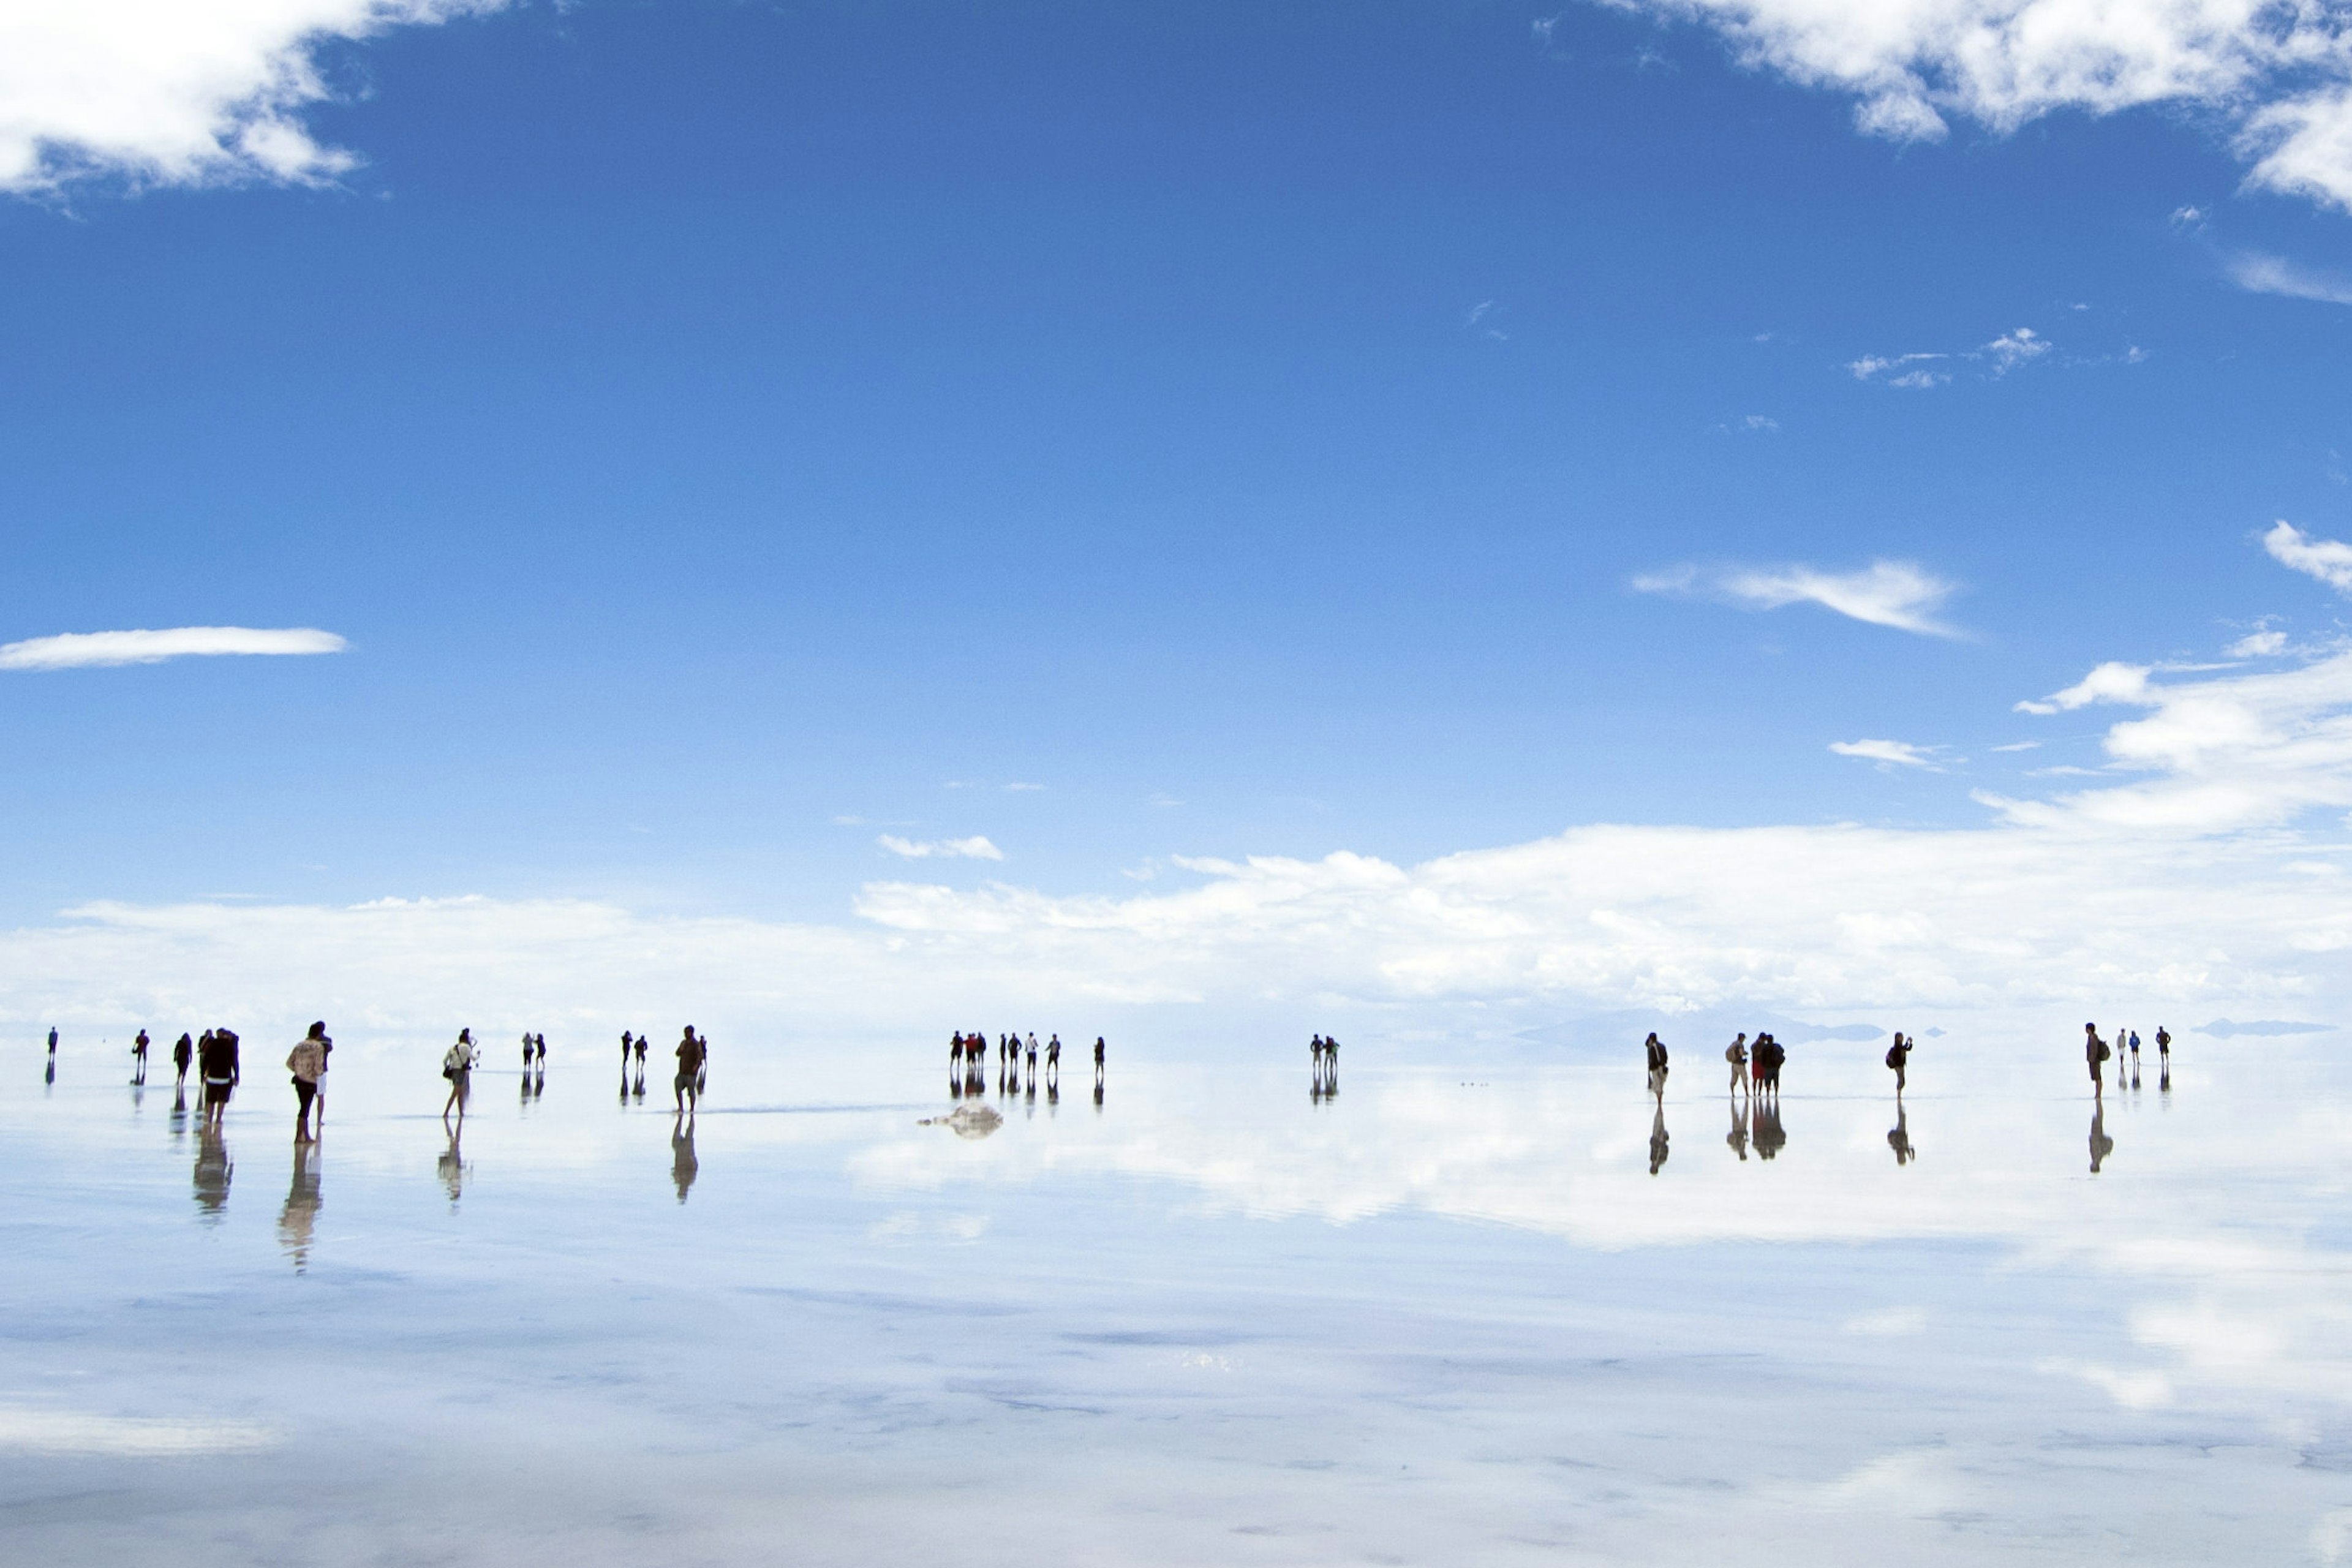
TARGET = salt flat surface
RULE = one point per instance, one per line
(1449, 1316)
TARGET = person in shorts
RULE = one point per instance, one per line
(689, 1081)
(218, 1066)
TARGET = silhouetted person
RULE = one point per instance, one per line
(2094, 1051)
(1098, 1068)
(1772, 1055)
(1658, 1138)
(183, 1053)
(526, 1054)
(213, 1170)
(682, 1162)
(542, 1052)
(1330, 1064)
(301, 1214)
(1899, 1057)
(2101, 1144)
(1737, 1136)
(628, 1039)
(1771, 1138)
(307, 1062)
(53, 1042)
(1033, 1056)
(641, 1056)
(457, 1065)
(1054, 1056)
(218, 1066)
(1899, 1137)
(1653, 1053)
(2134, 1057)
(2163, 1052)
(1736, 1054)
(690, 1069)
(139, 1059)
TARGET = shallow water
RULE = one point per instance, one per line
(1450, 1315)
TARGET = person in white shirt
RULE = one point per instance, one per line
(308, 1063)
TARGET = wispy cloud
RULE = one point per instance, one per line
(973, 848)
(1889, 753)
(1919, 372)
(2261, 274)
(1761, 424)
(2011, 348)
(2329, 560)
(1871, 367)
(180, 95)
(2110, 682)
(84, 650)
(1897, 593)
(2263, 644)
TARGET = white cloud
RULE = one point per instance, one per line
(2329, 560)
(2257, 644)
(2191, 217)
(2278, 74)
(34, 1429)
(2263, 274)
(1895, 594)
(2013, 349)
(1897, 753)
(2017, 746)
(974, 848)
(2111, 683)
(168, 92)
(81, 650)
(1762, 424)
(1873, 365)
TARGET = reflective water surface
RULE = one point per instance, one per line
(1504, 1312)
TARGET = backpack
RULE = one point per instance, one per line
(1895, 1056)
(2103, 1050)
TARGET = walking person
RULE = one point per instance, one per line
(53, 1043)
(628, 1039)
(183, 1053)
(457, 1065)
(139, 1059)
(2094, 1051)
(217, 1065)
(1653, 1052)
(1054, 1058)
(690, 1069)
(1098, 1067)
(307, 1062)
(2163, 1051)
(1898, 1055)
(1736, 1054)
(542, 1053)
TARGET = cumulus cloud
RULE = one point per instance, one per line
(1895, 594)
(2110, 682)
(82, 650)
(164, 92)
(973, 848)
(2279, 75)
(2329, 560)
(2263, 644)
(1888, 754)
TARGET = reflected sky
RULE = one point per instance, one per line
(1518, 1312)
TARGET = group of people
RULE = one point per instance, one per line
(1756, 1065)
(1323, 1052)
(2126, 1052)
(968, 1060)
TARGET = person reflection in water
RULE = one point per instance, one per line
(1898, 1137)
(2101, 1144)
(213, 1170)
(451, 1165)
(295, 1220)
(683, 1165)
(1770, 1137)
(1737, 1136)
(1658, 1137)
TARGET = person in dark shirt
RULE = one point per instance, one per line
(139, 1058)
(2094, 1051)
(217, 1065)
(689, 1067)
(182, 1054)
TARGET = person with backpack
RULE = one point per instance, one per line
(1736, 1054)
(308, 1063)
(1654, 1051)
(1898, 1055)
(218, 1066)
(2094, 1051)
(457, 1063)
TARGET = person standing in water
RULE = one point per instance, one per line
(219, 1069)
(1099, 1061)
(53, 1042)
(1899, 1057)
(2094, 1051)
(1736, 1054)
(457, 1066)
(690, 1069)
(307, 1062)
(1653, 1052)
(139, 1059)
(182, 1054)
(2163, 1050)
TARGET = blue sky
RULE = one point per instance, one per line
(726, 435)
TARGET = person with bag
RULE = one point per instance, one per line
(307, 1062)
(457, 1065)
(1736, 1054)
(2094, 1051)
(1654, 1051)
(216, 1064)
(1898, 1055)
